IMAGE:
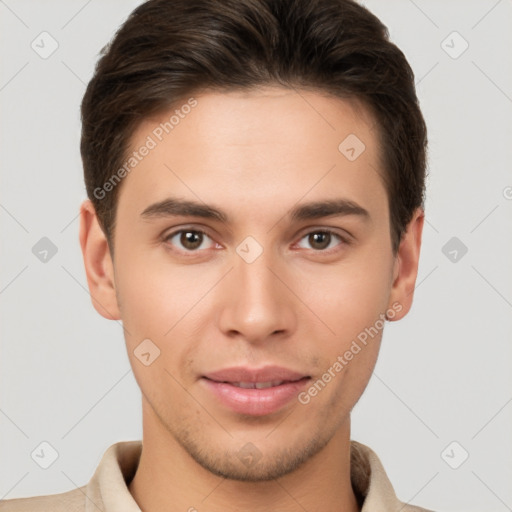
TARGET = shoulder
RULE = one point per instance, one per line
(106, 490)
(71, 501)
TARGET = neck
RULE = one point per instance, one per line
(167, 478)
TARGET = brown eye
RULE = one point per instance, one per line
(321, 240)
(189, 240)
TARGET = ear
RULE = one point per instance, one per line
(406, 266)
(98, 263)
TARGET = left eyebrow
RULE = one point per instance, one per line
(334, 207)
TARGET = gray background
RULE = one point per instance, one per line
(444, 372)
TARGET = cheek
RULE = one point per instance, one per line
(163, 304)
(152, 294)
(154, 307)
(350, 301)
(351, 297)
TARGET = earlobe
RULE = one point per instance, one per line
(406, 265)
(98, 263)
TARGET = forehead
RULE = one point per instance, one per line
(243, 147)
(257, 113)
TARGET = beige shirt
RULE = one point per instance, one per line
(107, 491)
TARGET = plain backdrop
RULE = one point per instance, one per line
(442, 388)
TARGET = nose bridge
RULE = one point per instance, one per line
(256, 280)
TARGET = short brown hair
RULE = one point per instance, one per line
(167, 50)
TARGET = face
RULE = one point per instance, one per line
(254, 252)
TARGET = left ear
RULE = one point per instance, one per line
(406, 266)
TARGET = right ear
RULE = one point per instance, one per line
(98, 263)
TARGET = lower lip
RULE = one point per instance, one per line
(255, 402)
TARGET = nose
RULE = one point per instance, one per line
(256, 304)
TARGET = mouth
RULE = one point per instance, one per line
(268, 375)
(258, 385)
(255, 392)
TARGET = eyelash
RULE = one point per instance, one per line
(342, 240)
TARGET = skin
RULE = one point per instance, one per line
(255, 155)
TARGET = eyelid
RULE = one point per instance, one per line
(342, 233)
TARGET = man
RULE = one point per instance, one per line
(255, 172)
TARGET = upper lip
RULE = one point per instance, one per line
(245, 374)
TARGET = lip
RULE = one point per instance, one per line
(253, 401)
(245, 374)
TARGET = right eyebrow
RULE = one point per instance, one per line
(174, 207)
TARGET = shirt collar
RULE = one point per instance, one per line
(369, 480)
(108, 488)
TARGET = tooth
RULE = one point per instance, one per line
(263, 385)
(245, 385)
(257, 385)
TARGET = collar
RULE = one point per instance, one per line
(108, 488)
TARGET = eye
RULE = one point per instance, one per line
(321, 240)
(190, 240)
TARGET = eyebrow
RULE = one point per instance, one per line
(174, 207)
